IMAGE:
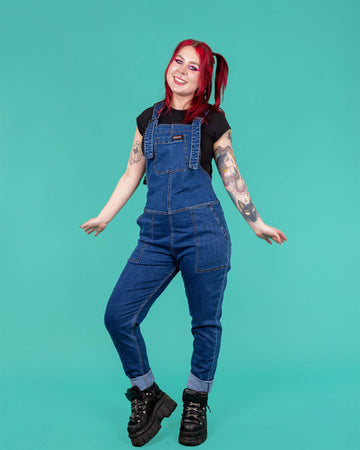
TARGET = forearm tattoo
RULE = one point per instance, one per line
(234, 183)
(136, 153)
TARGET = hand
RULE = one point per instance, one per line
(94, 224)
(266, 232)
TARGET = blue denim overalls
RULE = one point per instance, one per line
(182, 228)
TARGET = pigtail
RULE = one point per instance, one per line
(221, 76)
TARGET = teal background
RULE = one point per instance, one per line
(74, 75)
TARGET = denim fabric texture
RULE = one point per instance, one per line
(182, 228)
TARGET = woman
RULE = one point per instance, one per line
(182, 228)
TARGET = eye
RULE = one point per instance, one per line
(178, 60)
(193, 68)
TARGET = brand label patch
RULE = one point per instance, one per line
(177, 136)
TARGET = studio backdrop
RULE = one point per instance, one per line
(74, 76)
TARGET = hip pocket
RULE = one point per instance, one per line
(212, 243)
(138, 252)
(219, 215)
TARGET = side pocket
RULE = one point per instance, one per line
(222, 227)
(211, 243)
(137, 253)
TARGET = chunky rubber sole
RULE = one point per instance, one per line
(192, 438)
(164, 408)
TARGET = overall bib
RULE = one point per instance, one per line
(182, 228)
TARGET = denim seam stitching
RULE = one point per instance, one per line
(171, 236)
(195, 144)
(187, 208)
(217, 312)
(169, 189)
(140, 253)
(196, 242)
(210, 270)
(141, 308)
(219, 222)
(197, 252)
(184, 169)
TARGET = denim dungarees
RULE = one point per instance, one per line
(182, 228)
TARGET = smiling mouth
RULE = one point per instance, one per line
(179, 80)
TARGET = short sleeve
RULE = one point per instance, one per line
(143, 119)
(217, 124)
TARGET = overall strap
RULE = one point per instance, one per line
(196, 141)
(149, 133)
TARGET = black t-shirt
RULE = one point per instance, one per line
(211, 131)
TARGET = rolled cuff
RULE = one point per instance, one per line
(199, 385)
(143, 381)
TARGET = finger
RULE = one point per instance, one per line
(277, 238)
(282, 235)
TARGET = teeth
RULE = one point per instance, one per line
(179, 80)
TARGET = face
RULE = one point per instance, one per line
(183, 75)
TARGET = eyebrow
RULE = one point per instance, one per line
(192, 62)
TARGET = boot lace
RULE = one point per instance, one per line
(139, 407)
(195, 410)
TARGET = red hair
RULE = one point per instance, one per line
(200, 101)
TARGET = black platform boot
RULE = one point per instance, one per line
(148, 408)
(193, 427)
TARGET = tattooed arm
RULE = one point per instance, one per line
(237, 189)
(233, 181)
(128, 182)
(136, 164)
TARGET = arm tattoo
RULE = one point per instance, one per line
(234, 183)
(248, 212)
(136, 153)
(228, 171)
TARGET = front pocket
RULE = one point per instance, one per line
(138, 252)
(219, 216)
(170, 155)
(212, 245)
